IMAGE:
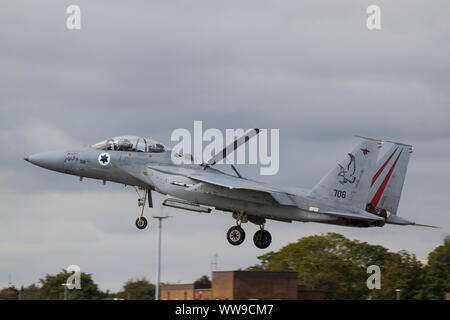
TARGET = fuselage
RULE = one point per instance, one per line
(131, 168)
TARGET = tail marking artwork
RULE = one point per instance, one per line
(349, 174)
(380, 190)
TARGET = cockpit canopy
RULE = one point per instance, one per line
(131, 143)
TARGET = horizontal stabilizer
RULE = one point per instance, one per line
(359, 216)
(394, 219)
(424, 225)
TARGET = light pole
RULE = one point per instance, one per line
(397, 294)
(65, 290)
(158, 276)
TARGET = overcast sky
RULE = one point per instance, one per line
(311, 69)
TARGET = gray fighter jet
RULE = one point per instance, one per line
(357, 192)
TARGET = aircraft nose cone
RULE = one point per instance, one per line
(38, 159)
(52, 160)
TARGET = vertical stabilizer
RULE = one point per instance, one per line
(387, 182)
(347, 185)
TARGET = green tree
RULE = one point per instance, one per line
(330, 262)
(32, 292)
(401, 271)
(52, 288)
(437, 273)
(139, 289)
(203, 282)
(325, 282)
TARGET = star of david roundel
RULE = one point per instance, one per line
(104, 159)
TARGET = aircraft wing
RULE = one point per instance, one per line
(228, 181)
(231, 182)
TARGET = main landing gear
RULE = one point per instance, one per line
(236, 234)
(262, 238)
(141, 221)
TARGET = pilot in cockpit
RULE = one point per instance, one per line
(131, 143)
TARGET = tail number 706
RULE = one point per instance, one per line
(339, 193)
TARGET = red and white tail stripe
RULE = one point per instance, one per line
(382, 186)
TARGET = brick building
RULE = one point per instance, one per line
(186, 291)
(243, 285)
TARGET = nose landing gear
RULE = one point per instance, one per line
(141, 221)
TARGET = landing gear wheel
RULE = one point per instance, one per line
(236, 235)
(262, 239)
(141, 223)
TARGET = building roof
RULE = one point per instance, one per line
(185, 286)
(255, 274)
(177, 286)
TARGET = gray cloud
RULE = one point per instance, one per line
(310, 69)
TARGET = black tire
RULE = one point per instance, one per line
(236, 235)
(262, 239)
(141, 223)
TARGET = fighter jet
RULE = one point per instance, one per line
(357, 192)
